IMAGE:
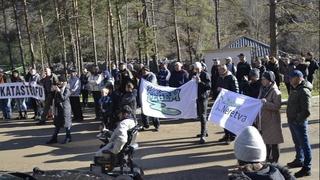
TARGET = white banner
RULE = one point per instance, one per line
(167, 102)
(21, 90)
(234, 111)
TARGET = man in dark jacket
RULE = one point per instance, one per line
(151, 77)
(203, 81)
(48, 82)
(313, 66)
(298, 110)
(163, 75)
(273, 66)
(178, 76)
(227, 81)
(214, 78)
(243, 69)
(84, 89)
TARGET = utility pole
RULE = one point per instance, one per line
(273, 28)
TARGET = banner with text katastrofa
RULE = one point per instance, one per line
(168, 102)
(21, 90)
(234, 111)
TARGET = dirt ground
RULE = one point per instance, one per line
(171, 153)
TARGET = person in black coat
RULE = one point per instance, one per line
(227, 81)
(273, 66)
(301, 66)
(313, 66)
(178, 76)
(253, 86)
(62, 109)
(214, 78)
(203, 81)
(243, 69)
(130, 98)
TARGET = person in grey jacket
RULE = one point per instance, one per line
(75, 88)
(298, 110)
(33, 78)
(62, 110)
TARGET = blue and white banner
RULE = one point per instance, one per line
(167, 102)
(21, 90)
(234, 111)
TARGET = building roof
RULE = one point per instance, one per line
(259, 49)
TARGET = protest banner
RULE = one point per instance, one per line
(167, 102)
(234, 111)
(21, 90)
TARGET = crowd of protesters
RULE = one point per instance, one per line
(118, 86)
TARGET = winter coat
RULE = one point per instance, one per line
(252, 89)
(119, 137)
(262, 69)
(204, 85)
(286, 70)
(214, 78)
(62, 107)
(150, 77)
(243, 69)
(94, 82)
(48, 81)
(299, 103)
(232, 68)
(178, 78)
(269, 172)
(130, 99)
(106, 105)
(163, 77)
(3, 79)
(125, 76)
(274, 67)
(304, 69)
(33, 79)
(313, 66)
(228, 82)
(84, 79)
(270, 116)
(75, 86)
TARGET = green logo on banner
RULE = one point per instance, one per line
(157, 98)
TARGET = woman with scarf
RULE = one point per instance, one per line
(269, 120)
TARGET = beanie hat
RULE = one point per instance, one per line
(249, 146)
(254, 73)
(269, 75)
(296, 73)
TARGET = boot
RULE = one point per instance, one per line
(53, 140)
(68, 136)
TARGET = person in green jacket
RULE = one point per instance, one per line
(298, 110)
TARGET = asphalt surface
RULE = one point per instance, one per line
(172, 153)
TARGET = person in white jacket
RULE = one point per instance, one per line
(94, 86)
(119, 136)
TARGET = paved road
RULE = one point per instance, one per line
(172, 153)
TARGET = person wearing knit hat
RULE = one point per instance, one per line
(250, 152)
(270, 120)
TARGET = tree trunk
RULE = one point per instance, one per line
(72, 40)
(107, 42)
(41, 51)
(216, 16)
(188, 35)
(273, 28)
(121, 35)
(119, 40)
(44, 38)
(78, 35)
(61, 32)
(114, 54)
(93, 33)
(7, 35)
(19, 34)
(154, 31)
(139, 38)
(29, 33)
(145, 34)
(176, 30)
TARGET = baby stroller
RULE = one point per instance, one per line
(121, 163)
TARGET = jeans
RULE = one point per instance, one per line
(202, 105)
(5, 105)
(299, 132)
(21, 104)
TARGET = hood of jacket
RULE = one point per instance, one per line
(304, 84)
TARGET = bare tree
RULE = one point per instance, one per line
(154, 31)
(114, 54)
(43, 33)
(75, 9)
(216, 17)
(6, 34)
(19, 33)
(121, 34)
(41, 50)
(29, 33)
(176, 32)
(273, 28)
(93, 33)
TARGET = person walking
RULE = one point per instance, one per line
(84, 78)
(298, 111)
(270, 120)
(62, 110)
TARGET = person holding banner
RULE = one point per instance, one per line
(5, 103)
(34, 78)
(204, 86)
(178, 76)
(21, 102)
(227, 81)
(62, 110)
(149, 76)
(270, 120)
